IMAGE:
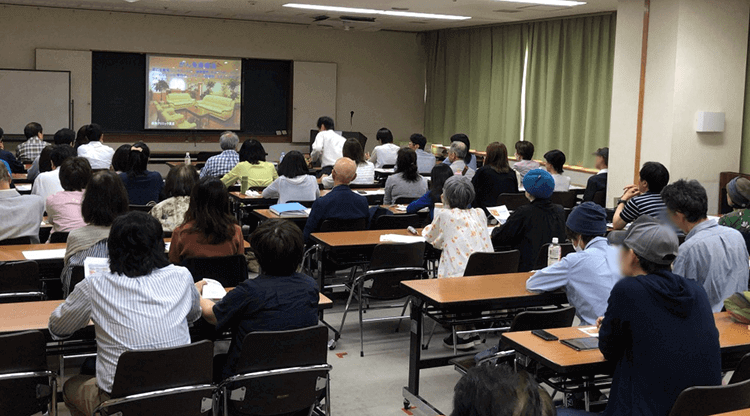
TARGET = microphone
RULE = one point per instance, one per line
(351, 119)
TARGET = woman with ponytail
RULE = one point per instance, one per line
(144, 187)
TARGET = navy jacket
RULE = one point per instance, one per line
(530, 227)
(143, 189)
(595, 184)
(660, 333)
(341, 204)
(15, 165)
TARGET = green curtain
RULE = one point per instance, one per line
(569, 86)
(474, 80)
(745, 152)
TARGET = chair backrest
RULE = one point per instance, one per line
(531, 320)
(742, 372)
(566, 199)
(388, 166)
(600, 197)
(142, 208)
(268, 350)
(357, 224)
(150, 370)
(512, 201)
(76, 276)
(396, 222)
(386, 282)
(24, 352)
(21, 278)
(541, 259)
(15, 241)
(203, 156)
(711, 400)
(58, 237)
(227, 270)
(492, 263)
(403, 200)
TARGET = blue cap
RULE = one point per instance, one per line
(539, 183)
(588, 218)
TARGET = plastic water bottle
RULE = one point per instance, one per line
(282, 157)
(187, 158)
(553, 252)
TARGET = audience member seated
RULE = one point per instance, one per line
(99, 155)
(598, 182)
(143, 302)
(252, 165)
(365, 170)
(328, 146)
(294, 182)
(554, 161)
(48, 183)
(406, 182)
(81, 138)
(495, 177)
(658, 329)
(456, 155)
(177, 188)
(121, 159)
(104, 199)
(643, 198)
(588, 275)
(15, 165)
(498, 390)
(386, 153)
(144, 186)
(64, 208)
(32, 147)
(219, 165)
(425, 160)
(209, 229)
(279, 299)
(440, 173)
(714, 256)
(42, 162)
(470, 159)
(457, 229)
(738, 197)
(531, 226)
(20, 215)
(339, 204)
(524, 158)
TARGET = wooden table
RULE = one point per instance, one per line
(744, 412)
(195, 163)
(361, 239)
(467, 294)
(19, 178)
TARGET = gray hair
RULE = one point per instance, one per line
(229, 140)
(4, 174)
(459, 149)
(458, 191)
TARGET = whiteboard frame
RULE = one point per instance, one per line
(70, 102)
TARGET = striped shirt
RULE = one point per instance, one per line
(219, 165)
(649, 204)
(146, 312)
(30, 149)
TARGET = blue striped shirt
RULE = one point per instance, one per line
(146, 312)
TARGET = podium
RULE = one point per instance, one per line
(348, 134)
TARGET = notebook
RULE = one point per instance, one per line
(582, 344)
(292, 209)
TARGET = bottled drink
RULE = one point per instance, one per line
(282, 157)
(187, 158)
(553, 252)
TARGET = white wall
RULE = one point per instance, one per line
(381, 75)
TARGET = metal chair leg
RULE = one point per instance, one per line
(361, 330)
(403, 311)
(346, 310)
(432, 332)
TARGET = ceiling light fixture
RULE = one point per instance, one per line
(567, 3)
(375, 11)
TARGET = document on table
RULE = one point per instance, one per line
(44, 254)
(398, 238)
(25, 187)
(591, 331)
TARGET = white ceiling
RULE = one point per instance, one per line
(482, 12)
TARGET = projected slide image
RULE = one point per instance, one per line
(187, 93)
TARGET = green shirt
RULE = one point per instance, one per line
(739, 220)
(259, 174)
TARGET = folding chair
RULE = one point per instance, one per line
(20, 282)
(512, 201)
(492, 263)
(396, 222)
(27, 384)
(566, 199)
(16, 241)
(58, 237)
(280, 372)
(404, 200)
(228, 270)
(711, 400)
(600, 197)
(742, 372)
(541, 259)
(390, 265)
(170, 381)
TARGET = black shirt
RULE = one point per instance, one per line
(266, 303)
(489, 183)
(530, 227)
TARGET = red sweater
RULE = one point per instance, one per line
(186, 243)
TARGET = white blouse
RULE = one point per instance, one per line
(459, 233)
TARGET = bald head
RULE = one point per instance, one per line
(344, 171)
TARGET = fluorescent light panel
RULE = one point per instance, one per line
(568, 3)
(375, 11)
